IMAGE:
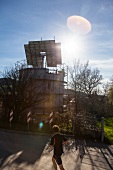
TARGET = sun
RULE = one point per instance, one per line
(72, 47)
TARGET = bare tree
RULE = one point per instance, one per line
(84, 82)
(21, 91)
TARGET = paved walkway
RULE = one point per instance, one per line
(97, 156)
(31, 152)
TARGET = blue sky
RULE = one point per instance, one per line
(30, 20)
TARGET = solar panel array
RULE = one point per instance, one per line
(36, 50)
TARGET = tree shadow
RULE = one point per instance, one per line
(99, 155)
(21, 149)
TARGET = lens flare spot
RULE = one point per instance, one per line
(78, 24)
(41, 124)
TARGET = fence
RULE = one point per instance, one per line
(86, 125)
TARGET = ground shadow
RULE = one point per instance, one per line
(20, 148)
(99, 154)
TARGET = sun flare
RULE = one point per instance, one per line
(72, 47)
(78, 24)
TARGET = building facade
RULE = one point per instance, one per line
(44, 57)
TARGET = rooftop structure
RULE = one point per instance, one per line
(46, 52)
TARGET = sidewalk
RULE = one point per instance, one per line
(98, 156)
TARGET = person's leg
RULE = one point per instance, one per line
(61, 167)
(59, 161)
(54, 163)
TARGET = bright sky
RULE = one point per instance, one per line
(30, 20)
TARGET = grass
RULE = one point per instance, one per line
(108, 129)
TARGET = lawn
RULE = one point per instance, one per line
(108, 129)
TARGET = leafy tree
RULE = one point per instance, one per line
(110, 98)
(110, 93)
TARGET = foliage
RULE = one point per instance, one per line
(110, 93)
(64, 121)
(108, 128)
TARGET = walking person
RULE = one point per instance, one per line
(57, 142)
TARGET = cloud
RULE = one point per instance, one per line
(100, 39)
(60, 13)
(105, 66)
(108, 63)
(102, 29)
(106, 7)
